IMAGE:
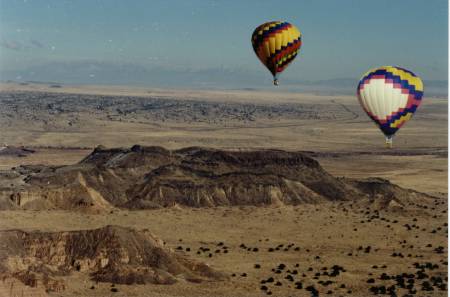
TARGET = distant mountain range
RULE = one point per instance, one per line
(348, 86)
(94, 72)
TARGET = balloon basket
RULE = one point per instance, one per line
(389, 142)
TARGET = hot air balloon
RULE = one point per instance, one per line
(276, 44)
(390, 96)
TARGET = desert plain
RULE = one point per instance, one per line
(127, 191)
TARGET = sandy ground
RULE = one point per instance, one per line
(337, 123)
(327, 231)
(349, 145)
(338, 126)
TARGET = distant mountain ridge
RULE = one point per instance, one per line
(95, 72)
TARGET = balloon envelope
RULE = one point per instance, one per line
(276, 44)
(390, 96)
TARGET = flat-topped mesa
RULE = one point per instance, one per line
(151, 177)
(256, 158)
(387, 195)
(209, 177)
(109, 254)
(21, 151)
(123, 157)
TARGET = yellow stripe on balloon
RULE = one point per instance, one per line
(275, 41)
(297, 33)
(278, 41)
(285, 35)
(272, 45)
(285, 58)
(401, 120)
(412, 80)
(292, 34)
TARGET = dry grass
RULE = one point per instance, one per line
(325, 230)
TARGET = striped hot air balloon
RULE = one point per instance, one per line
(390, 96)
(276, 44)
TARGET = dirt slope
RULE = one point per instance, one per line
(110, 254)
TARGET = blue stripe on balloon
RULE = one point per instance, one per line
(259, 39)
(386, 127)
(396, 79)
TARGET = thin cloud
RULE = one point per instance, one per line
(37, 43)
(18, 46)
(12, 45)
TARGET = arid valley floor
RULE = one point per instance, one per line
(115, 191)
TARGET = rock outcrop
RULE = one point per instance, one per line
(110, 254)
(6, 150)
(153, 177)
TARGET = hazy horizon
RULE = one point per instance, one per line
(207, 43)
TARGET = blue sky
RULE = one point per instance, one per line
(110, 41)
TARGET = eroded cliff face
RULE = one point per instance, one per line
(13, 287)
(152, 177)
(110, 254)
